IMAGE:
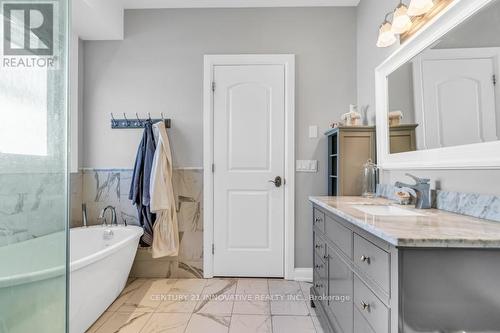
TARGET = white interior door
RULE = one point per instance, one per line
(249, 151)
(457, 98)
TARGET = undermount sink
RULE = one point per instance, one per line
(385, 210)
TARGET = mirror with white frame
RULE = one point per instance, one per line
(439, 96)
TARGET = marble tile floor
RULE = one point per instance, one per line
(210, 306)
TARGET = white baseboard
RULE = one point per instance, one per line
(303, 274)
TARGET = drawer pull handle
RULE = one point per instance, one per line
(365, 306)
(318, 219)
(317, 285)
(319, 266)
(365, 259)
(326, 257)
(318, 246)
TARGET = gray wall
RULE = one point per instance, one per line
(369, 16)
(159, 68)
(481, 30)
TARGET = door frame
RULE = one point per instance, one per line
(210, 61)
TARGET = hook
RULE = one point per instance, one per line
(162, 118)
(139, 121)
(127, 122)
(114, 122)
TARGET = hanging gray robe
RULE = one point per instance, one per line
(139, 188)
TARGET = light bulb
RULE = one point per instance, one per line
(385, 35)
(420, 7)
(401, 22)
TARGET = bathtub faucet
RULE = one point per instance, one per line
(113, 216)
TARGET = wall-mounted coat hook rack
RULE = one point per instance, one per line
(136, 123)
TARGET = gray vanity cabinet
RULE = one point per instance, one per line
(372, 286)
(353, 268)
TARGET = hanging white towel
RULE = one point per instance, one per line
(165, 229)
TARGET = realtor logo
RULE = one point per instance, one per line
(28, 29)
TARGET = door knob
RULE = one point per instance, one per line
(277, 181)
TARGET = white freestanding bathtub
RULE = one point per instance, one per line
(32, 286)
(100, 266)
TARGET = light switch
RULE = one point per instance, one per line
(313, 131)
(306, 166)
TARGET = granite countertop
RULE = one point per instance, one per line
(434, 228)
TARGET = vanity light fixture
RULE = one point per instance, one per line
(386, 36)
(406, 20)
(420, 7)
(401, 22)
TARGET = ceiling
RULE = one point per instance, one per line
(103, 20)
(136, 4)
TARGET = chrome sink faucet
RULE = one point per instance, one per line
(113, 216)
(422, 190)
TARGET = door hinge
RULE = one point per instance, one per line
(494, 80)
(213, 249)
(213, 168)
(213, 86)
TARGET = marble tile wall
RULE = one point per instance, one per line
(471, 204)
(76, 199)
(100, 188)
(31, 205)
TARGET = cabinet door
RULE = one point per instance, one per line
(401, 142)
(340, 291)
(356, 147)
(360, 323)
(319, 278)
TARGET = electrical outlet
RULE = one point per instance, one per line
(306, 166)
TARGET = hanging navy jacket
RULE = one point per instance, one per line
(139, 188)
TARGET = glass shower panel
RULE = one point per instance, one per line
(33, 166)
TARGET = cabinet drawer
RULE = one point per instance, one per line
(373, 261)
(319, 219)
(319, 266)
(370, 307)
(321, 279)
(340, 290)
(319, 284)
(360, 323)
(319, 246)
(339, 235)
